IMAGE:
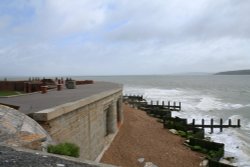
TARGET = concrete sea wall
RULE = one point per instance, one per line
(88, 122)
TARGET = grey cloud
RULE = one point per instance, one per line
(126, 37)
(184, 20)
(222, 19)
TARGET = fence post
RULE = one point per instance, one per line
(229, 122)
(193, 122)
(180, 105)
(157, 102)
(163, 103)
(221, 124)
(212, 125)
(202, 123)
(238, 124)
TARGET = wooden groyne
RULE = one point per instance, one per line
(194, 132)
(174, 106)
(140, 102)
(212, 125)
(163, 110)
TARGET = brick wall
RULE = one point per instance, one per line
(12, 85)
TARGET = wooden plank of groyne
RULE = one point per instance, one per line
(212, 125)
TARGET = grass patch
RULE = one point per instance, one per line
(69, 149)
(8, 93)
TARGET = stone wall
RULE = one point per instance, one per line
(88, 122)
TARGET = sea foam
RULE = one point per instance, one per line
(197, 105)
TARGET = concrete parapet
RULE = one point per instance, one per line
(51, 113)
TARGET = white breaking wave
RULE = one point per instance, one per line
(199, 106)
(191, 100)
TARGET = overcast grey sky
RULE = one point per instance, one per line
(118, 37)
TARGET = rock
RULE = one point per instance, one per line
(173, 131)
(231, 159)
(141, 160)
(149, 164)
(224, 161)
(60, 165)
(227, 160)
(204, 163)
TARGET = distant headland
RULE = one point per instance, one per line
(237, 72)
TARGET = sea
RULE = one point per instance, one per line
(202, 97)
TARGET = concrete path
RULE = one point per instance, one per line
(31, 103)
(18, 157)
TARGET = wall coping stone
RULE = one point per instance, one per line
(52, 113)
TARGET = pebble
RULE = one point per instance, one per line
(173, 131)
(149, 164)
(224, 161)
(204, 163)
(61, 165)
(141, 160)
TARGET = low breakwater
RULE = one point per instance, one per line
(195, 135)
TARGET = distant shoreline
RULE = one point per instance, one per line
(237, 72)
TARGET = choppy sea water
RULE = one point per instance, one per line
(207, 97)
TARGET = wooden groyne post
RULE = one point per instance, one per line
(212, 125)
(173, 106)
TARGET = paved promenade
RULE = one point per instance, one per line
(31, 103)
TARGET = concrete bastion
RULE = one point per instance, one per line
(88, 116)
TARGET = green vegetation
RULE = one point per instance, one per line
(69, 149)
(199, 149)
(182, 133)
(8, 93)
(211, 154)
(215, 154)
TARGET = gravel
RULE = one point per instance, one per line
(141, 136)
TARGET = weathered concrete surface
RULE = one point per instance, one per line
(36, 102)
(18, 157)
(85, 116)
(51, 113)
(87, 122)
(18, 129)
